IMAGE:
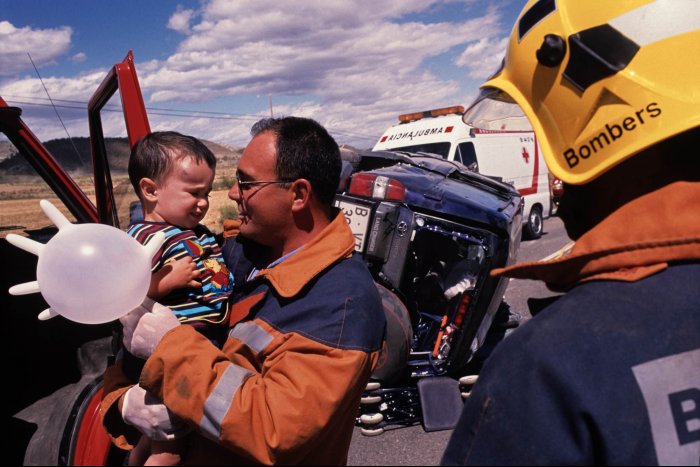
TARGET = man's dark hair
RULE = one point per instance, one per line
(154, 155)
(305, 150)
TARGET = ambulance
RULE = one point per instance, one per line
(512, 156)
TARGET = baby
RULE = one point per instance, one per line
(173, 176)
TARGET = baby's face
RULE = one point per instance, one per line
(183, 195)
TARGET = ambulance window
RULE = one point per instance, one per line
(467, 156)
(441, 149)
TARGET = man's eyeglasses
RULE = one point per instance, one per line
(246, 185)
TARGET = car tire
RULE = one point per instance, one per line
(535, 224)
(69, 412)
(85, 441)
(396, 346)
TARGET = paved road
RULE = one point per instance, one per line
(552, 241)
(412, 446)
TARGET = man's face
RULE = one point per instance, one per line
(266, 209)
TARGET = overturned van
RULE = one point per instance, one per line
(512, 156)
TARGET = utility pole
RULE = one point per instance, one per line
(272, 114)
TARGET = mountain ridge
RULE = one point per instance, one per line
(74, 155)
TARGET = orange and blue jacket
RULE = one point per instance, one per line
(286, 386)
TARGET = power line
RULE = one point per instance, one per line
(80, 158)
(172, 113)
(115, 106)
(165, 112)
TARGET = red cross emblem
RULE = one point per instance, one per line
(526, 156)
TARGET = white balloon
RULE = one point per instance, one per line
(88, 273)
(93, 273)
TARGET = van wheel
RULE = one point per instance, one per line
(535, 224)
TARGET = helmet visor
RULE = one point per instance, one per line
(494, 110)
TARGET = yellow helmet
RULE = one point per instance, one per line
(599, 80)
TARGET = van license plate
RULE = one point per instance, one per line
(358, 217)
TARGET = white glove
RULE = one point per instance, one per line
(145, 326)
(151, 417)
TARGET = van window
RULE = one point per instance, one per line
(441, 149)
(466, 155)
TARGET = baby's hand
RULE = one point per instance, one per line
(174, 275)
(183, 273)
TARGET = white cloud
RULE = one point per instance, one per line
(180, 20)
(354, 66)
(482, 58)
(44, 45)
(266, 46)
(70, 95)
(362, 66)
(79, 58)
(78, 88)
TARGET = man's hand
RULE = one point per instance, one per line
(145, 326)
(178, 274)
(151, 417)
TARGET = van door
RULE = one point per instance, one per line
(509, 157)
(517, 159)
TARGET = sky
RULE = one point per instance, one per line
(354, 66)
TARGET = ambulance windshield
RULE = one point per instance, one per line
(494, 110)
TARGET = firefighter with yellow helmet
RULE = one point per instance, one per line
(608, 373)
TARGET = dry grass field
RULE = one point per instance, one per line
(19, 204)
(21, 189)
(20, 211)
(16, 216)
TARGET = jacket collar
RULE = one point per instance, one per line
(333, 244)
(634, 242)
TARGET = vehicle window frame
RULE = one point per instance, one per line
(121, 78)
(48, 168)
(473, 162)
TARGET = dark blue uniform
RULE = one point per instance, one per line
(608, 374)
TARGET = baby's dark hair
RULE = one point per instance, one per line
(154, 154)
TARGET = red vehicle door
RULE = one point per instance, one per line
(54, 396)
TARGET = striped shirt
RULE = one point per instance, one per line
(195, 306)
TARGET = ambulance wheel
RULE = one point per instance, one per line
(535, 224)
(375, 432)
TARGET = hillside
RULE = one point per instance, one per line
(74, 156)
(6, 149)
